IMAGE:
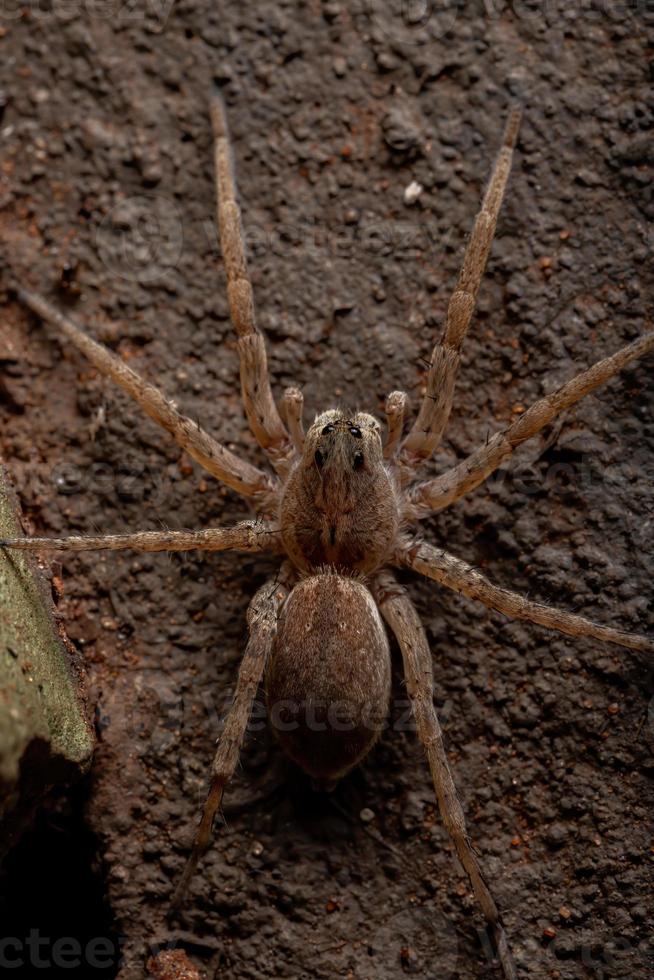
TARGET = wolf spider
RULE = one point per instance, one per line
(339, 511)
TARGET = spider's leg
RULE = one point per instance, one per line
(395, 410)
(428, 428)
(210, 454)
(265, 421)
(293, 406)
(252, 536)
(433, 495)
(402, 618)
(457, 575)
(263, 613)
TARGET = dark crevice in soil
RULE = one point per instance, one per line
(52, 907)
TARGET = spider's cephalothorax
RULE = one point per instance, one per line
(339, 502)
(339, 506)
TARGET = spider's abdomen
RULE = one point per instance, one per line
(329, 677)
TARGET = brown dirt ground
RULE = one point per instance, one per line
(106, 181)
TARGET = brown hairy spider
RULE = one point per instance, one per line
(339, 511)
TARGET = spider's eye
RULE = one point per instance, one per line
(328, 428)
(355, 431)
(358, 461)
(319, 458)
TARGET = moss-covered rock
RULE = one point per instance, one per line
(45, 736)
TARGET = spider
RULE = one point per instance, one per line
(340, 511)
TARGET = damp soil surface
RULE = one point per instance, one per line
(107, 204)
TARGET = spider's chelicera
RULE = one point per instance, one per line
(340, 509)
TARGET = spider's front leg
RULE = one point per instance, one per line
(434, 413)
(263, 613)
(262, 414)
(213, 456)
(402, 618)
(434, 495)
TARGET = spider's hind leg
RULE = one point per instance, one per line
(402, 618)
(263, 613)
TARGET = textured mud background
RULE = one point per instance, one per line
(106, 191)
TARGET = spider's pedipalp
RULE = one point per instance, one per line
(210, 454)
(434, 413)
(402, 618)
(292, 408)
(425, 498)
(395, 410)
(457, 575)
(263, 417)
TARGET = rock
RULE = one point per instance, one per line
(45, 737)
(556, 835)
(401, 131)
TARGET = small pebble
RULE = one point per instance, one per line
(409, 958)
(556, 835)
(331, 10)
(172, 964)
(412, 192)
